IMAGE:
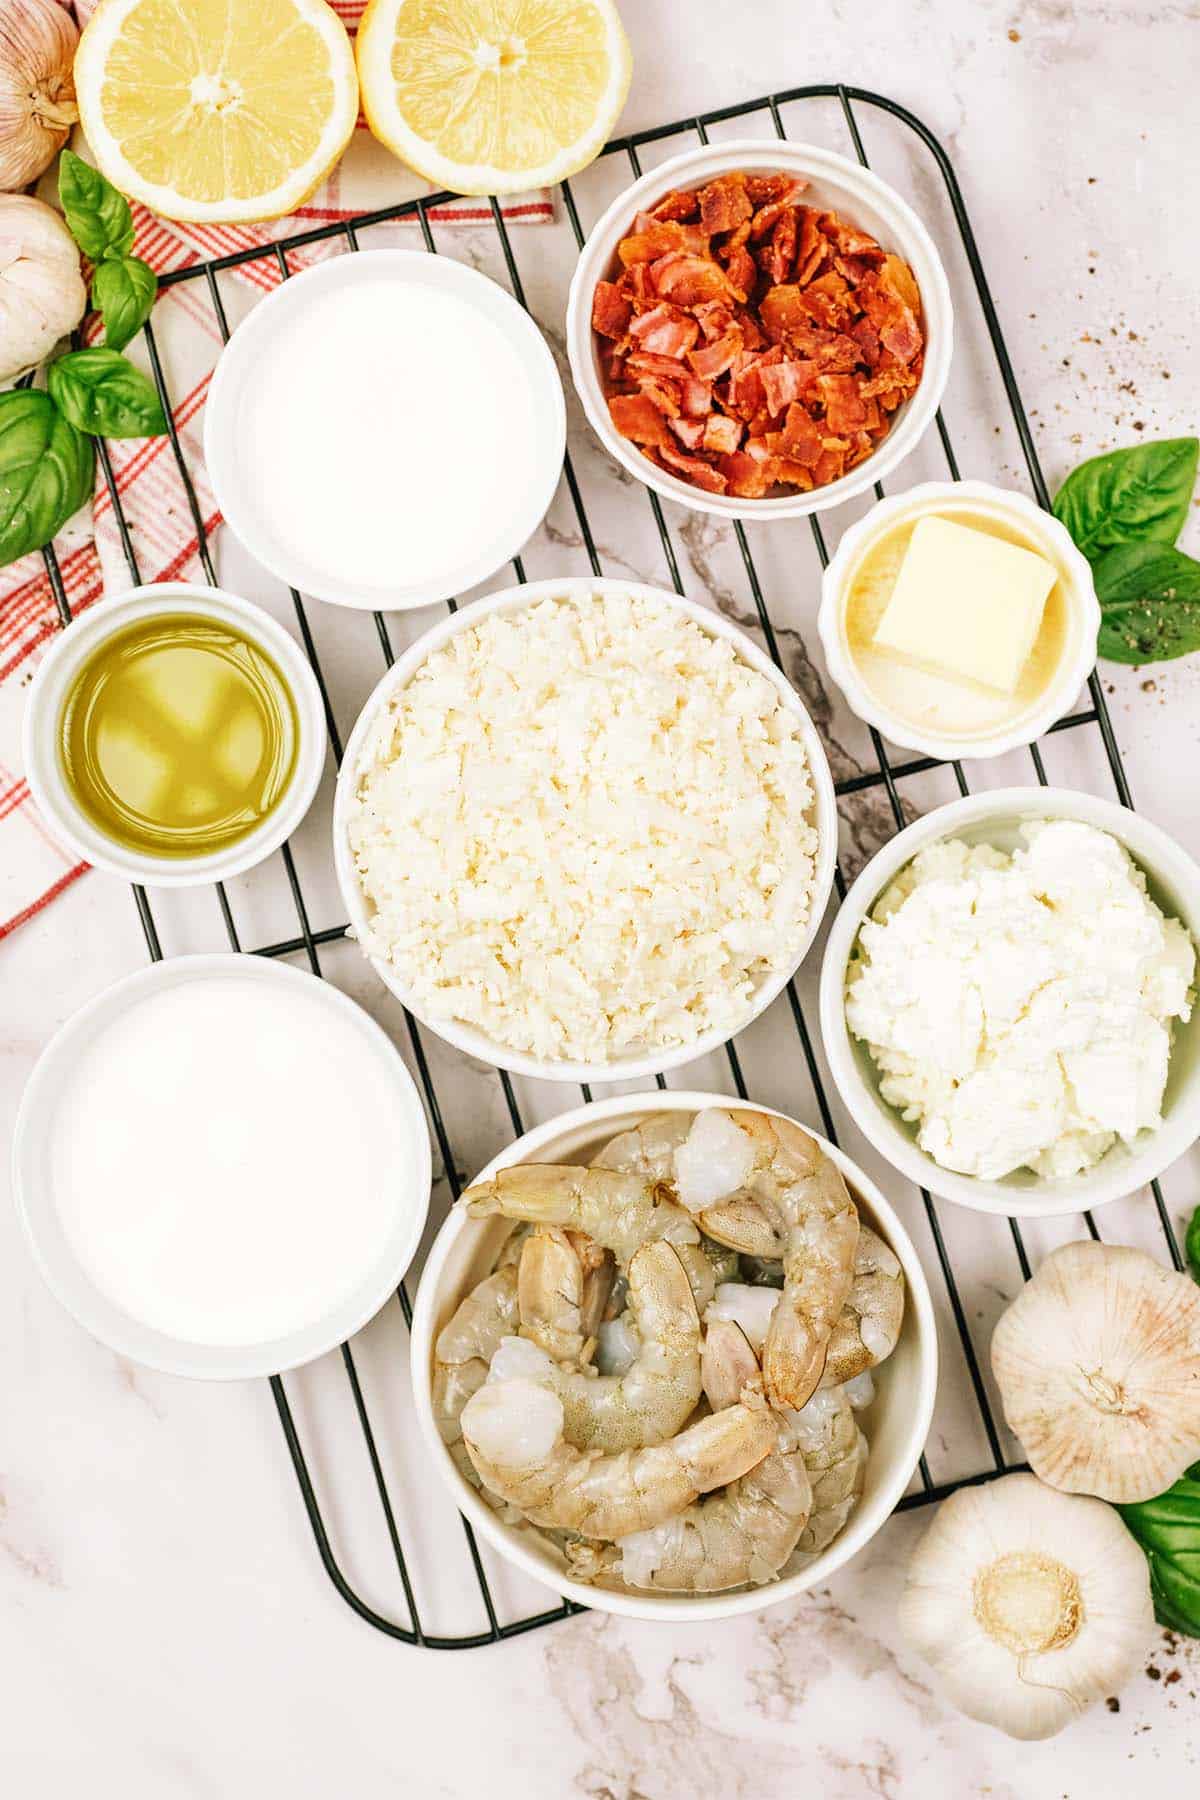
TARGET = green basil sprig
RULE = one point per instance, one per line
(100, 391)
(1168, 1530)
(45, 471)
(1191, 1244)
(99, 219)
(1134, 496)
(1124, 510)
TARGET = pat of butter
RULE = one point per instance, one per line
(966, 605)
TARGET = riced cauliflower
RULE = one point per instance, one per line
(586, 828)
(1020, 1008)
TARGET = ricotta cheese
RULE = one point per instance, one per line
(586, 828)
(1019, 1007)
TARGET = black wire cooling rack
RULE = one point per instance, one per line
(309, 942)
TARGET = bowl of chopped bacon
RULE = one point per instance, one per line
(759, 329)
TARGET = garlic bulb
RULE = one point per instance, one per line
(42, 295)
(1098, 1365)
(1030, 1604)
(37, 89)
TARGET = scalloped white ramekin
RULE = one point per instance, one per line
(896, 1424)
(835, 183)
(1043, 532)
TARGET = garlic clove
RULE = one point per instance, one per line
(42, 296)
(1098, 1365)
(1030, 1604)
(37, 88)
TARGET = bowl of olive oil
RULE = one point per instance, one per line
(174, 735)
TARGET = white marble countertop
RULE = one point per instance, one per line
(166, 1631)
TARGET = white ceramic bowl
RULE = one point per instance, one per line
(634, 1066)
(994, 818)
(896, 1424)
(39, 1120)
(49, 689)
(1043, 533)
(233, 390)
(835, 184)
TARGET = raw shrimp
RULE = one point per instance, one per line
(650, 1401)
(649, 1150)
(550, 1287)
(599, 1278)
(835, 1455)
(618, 1210)
(513, 1430)
(780, 1167)
(463, 1352)
(728, 1540)
(870, 1321)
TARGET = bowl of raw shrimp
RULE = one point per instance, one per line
(639, 1414)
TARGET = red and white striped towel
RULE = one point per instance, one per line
(33, 868)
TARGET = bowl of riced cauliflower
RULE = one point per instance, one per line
(585, 830)
(1008, 1001)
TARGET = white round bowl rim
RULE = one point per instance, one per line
(928, 496)
(41, 723)
(1118, 1174)
(913, 241)
(867, 1518)
(157, 1349)
(220, 428)
(515, 599)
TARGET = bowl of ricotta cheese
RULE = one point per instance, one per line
(1008, 1001)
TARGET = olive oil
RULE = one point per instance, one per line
(178, 736)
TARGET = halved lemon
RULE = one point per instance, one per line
(488, 96)
(220, 111)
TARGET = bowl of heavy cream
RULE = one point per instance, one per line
(959, 619)
(1008, 1001)
(222, 1166)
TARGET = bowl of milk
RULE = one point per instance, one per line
(222, 1166)
(385, 430)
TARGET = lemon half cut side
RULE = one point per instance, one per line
(492, 96)
(217, 111)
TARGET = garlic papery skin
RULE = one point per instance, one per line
(1098, 1365)
(38, 39)
(42, 296)
(1030, 1604)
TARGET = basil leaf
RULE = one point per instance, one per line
(98, 216)
(123, 291)
(1168, 1530)
(1137, 495)
(1149, 598)
(1191, 1244)
(45, 471)
(100, 391)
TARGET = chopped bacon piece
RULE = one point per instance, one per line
(784, 382)
(746, 477)
(722, 434)
(813, 247)
(610, 310)
(713, 359)
(690, 432)
(664, 331)
(699, 473)
(677, 205)
(801, 440)
(762, 189)
(637, 420)
(724, 203)
(690, 280)
(782, 253)
(769, 343)
(658, 238)
(844, 410)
